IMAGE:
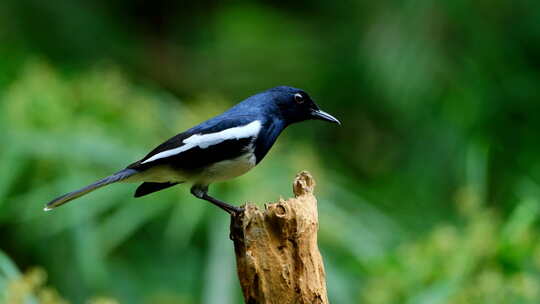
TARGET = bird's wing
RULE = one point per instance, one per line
(203, 145)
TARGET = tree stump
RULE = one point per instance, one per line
(277, 257)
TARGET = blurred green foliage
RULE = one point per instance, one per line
(429, 192)
(483, 260)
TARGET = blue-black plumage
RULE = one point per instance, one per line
(218, 149)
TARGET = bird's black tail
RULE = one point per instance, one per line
(118, 176)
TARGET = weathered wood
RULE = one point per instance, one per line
(277, 257)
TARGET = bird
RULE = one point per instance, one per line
(218, 149)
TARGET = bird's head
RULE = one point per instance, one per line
(295, 105)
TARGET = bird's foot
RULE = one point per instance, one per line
(236, 210)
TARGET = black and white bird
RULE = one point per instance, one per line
(218, 149)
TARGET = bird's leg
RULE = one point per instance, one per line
(202, 193)
(227, 207)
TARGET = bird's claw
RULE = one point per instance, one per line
(235, 211)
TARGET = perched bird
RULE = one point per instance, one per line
(218, 149)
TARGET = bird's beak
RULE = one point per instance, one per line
(322, 115)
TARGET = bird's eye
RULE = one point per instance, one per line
(298, 98)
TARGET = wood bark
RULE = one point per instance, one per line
(277, 257)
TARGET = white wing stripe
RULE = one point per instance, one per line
(204, 141)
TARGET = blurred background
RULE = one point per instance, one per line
(428, 193)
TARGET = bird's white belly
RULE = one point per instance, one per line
(227, 169)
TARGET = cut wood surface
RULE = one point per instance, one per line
(277, 257)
